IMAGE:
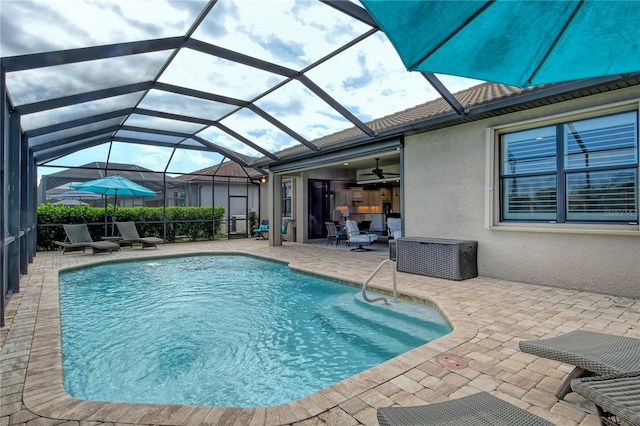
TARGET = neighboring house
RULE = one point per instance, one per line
(228, 185)
(51, 184)
(545, 179)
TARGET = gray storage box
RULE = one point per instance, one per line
(393, 249)
(436, 257)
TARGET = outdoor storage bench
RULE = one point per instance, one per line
(437, 257)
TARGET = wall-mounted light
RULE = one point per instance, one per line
(383, 193)
(263, 179)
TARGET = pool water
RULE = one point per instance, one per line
(225, 330)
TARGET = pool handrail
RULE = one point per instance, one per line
(375, 271)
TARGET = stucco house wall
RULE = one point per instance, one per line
(444, 173)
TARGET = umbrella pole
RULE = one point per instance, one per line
(106, 229)
(113, 218)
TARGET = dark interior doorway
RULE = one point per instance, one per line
(319, 206)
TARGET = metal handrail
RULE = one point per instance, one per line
(375, 271)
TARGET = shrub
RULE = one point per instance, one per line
(190, 222)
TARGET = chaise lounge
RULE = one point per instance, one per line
(616, 397)
(79, 239)
(130, 235)
(479, 409)
(591, 353)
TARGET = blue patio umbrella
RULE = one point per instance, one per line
(114, 185)
(70, 203)
(514, 42)
(77, 194)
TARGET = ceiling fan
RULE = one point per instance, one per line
(379, 172)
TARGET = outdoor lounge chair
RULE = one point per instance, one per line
(79, 239)
(475, 410)
(130, 234)
(356, 238)
(616, 397)
(591, 353)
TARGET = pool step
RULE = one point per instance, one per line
(379, 327)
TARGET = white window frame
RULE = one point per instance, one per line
(292, 213)
(492, 176)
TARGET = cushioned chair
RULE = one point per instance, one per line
(394, 224)
(285, 226)
(354, 237)
(261, 231)
(79, 239)
(341, 235)
(591, 353)
(479, 409)
(129, 234)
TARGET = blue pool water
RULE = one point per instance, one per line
(223, 330)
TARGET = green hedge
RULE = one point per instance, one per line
(192, 223)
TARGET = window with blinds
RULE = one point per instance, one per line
(287, 199)
(579, 171)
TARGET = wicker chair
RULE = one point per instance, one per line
(130, 235)
(79, 239)
(591, 353)
(477, 410)
(616, 397)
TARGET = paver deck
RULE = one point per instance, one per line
(489, 318)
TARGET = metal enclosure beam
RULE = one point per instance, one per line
(12, 163)
(83, 97)
(4, 116)
(23, 217)
(71, 56)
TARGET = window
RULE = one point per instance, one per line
(577, 171)
(179, 198)
(287, 196)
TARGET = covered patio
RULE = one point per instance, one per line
(489, 318)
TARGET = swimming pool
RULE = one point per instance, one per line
(223, 330)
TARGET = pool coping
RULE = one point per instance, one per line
(44, 393)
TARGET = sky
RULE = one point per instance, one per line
(367, 78)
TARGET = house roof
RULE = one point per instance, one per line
(97, 169)
(480, 101)
(226, 171)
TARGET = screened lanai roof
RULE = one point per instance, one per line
(243, 80)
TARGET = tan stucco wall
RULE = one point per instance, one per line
(444, 182)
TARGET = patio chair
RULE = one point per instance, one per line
(285, 226)
(616, 396)
(332, 233)
(261, 231)
(355, 237)
(79, 239)
(394, 224)
(130, 234)
(478, 409)
(591, 353)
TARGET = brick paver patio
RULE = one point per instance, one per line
(489, 318)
